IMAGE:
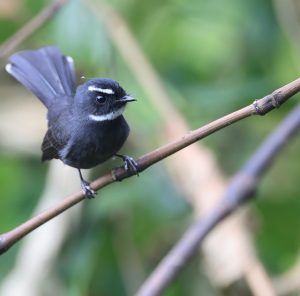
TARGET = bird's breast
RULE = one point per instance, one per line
(95, 142)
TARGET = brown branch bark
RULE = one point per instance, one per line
(240, 190)
(186, 180)
(259, 107)
(29, 28)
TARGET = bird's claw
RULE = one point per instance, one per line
(130, 165)
(87, 190)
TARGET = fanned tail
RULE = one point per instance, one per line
(45, 72)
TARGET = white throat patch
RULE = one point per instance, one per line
(108, 91)
(110, 116)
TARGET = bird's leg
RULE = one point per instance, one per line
(85, 186)
(129, 164)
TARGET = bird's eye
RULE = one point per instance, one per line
(100, 99)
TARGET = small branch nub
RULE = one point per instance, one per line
(275, 99)
(257, 109)
(267, 103)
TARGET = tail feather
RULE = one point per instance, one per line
(45, 72)
(60, 67)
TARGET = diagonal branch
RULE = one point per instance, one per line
(240, 190)
(213, 183)
(29, 28)
(259, 107)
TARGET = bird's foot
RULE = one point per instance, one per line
(87, 190)
(129, 164)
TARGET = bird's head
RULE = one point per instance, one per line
(101, 99)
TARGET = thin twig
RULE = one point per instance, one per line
(260, 107)
(208, 173)
(29, 28)
(240, 190)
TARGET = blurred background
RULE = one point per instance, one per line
(187, 63)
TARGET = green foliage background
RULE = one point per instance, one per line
(214, 57)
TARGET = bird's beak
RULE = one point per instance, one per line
(127, 99)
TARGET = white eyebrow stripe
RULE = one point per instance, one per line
(103, 90)
(109, 116)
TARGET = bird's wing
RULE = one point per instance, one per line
(50, 146)
(58, 134)
(54, 141)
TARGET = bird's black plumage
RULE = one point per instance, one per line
(85, 125)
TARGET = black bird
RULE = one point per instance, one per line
(85, 125)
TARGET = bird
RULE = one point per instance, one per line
(85, 123)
